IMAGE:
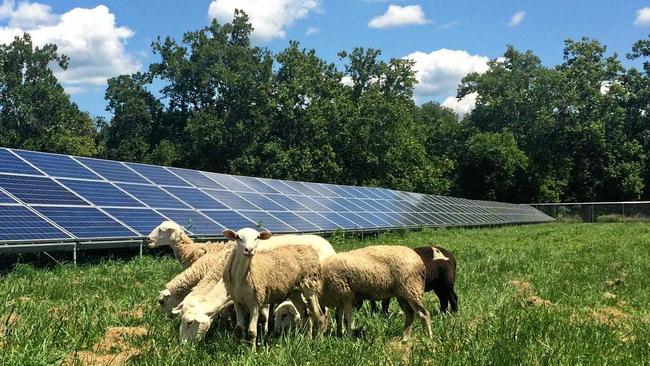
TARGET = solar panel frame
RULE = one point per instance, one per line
(152, 196)
(86, 222)
(13, 164)
(113, 171)
(54, 165)
(21, 224)
(100, 193)
(159, 175)
(47, 192)
(195, 198)
(231, 199)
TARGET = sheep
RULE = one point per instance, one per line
(255, 280)
(185, 250)
(209, 296)
(375, 273)
(440, 266)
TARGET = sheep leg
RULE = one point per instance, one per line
(453, 298)
(339, 321)
(347, 308)
(408, 313)
(423, 314)
(252, 325)
(314, 314)
(264, 314)
(443, 298)
(384, 306)
(239, 312)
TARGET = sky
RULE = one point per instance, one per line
(447, 39)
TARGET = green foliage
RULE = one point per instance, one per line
(67, 309)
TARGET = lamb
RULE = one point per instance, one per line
(209, 296)
(185, 250)
(375, 273)
(440, 266)
(255, 280)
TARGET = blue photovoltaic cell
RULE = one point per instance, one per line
(374, 220)
(229, 219)
(280, 186)
(339, 220)
(415, 218)
(319, 220)
(6, 199)
(370, 192)
(57, 165)
(383, 205)
(19, 223)
(303, 188)
(230, 182)
(404, 220)
(231, 200)
(141, 219)
(158, 175)
(38, 190)
(310, 203)
(357, 192)
(195, 198)
(257, 185)
(384, 193)
(322, 189)
(346, 204)
(101, 193)
(287, 202)
(390, 218)
(86, 222)
(152, 196)
(262, 202)
(9, 163)
(339, 190)
(361, 222)
(330, 204)
(265, 220)
(194, 222)
(197, 178)
(365, 204)
(296, 221)
(113, 171)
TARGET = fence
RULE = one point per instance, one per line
(597, 211)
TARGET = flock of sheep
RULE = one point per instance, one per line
(302, 275)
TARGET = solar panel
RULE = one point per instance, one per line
(141, 219)
(113, 171)
(153, 196)
(94, 200)
(100, 193)
(9, 163)
(158, 175)
(19, 223)
(38, 190)
(86, 222)
(229, 219)
(57, 165)
(194, 222)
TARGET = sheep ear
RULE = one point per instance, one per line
(178, 308)
(230, 234)
(264, 235)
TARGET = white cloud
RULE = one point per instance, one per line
(397, 16)
(270, 18)
(642, 17)
(517, 18)
(311, 31)
(71, 90)
(439, 72)
(90, 37)
(463, 106)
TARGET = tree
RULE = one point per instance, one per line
(35, 111)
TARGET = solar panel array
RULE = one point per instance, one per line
(59, 198)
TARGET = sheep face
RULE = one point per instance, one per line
(194, 326)
(286, 315)
(247, 240)
(167, 301)
(166, 233)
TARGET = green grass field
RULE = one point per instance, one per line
(543, 294)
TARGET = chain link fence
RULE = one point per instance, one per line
(597, 211)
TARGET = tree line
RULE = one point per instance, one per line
(578, 131)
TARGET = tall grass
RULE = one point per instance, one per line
(582, 297)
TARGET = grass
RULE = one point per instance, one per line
(580, 296)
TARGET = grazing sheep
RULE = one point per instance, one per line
(255, 280)
(440, 266)
(185, 249)
(286, 315)
(375, 273)
(208, 297)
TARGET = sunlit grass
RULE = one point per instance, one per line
(592, 306)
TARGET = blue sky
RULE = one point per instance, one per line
(447, 39)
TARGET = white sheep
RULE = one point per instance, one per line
(185, 249)
(209, 297)
(375, 273)
(255, 279)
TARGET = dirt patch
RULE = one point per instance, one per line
(610, 316)
(523, 287)
(403, 348)
(24, 299)
(615, 282)
(137, 313)
(112, 349)
(536, 301)
(646, 319)
(59, 312)
(626, 337)
(609, 296)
